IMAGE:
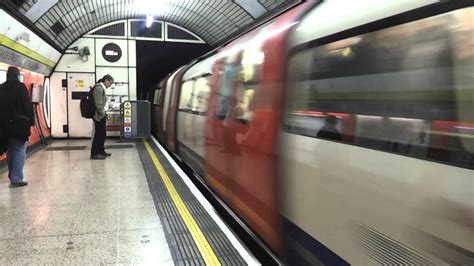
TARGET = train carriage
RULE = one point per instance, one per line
(341, 132)
(395, 188)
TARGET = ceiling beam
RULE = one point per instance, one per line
(12, 10)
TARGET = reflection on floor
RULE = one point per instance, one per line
(80, 211)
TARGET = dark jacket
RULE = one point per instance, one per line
(14, 100)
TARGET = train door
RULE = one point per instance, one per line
(244, 120)
(241, 138)
(159, 112)
(199, 107)
(218, 157)
(155, 100)
(167, 97)
(77, 86)
(173, 109)
(254, 125)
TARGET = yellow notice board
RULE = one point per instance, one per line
(80, 83)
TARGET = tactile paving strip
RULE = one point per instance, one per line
(182, 246)
(67, 148)
(119, 146)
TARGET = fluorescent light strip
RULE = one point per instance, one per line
(38, 9)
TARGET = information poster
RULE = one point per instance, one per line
(127, 120)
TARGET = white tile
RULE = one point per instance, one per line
(92, 249)
(103, 209)
(33, 251)
(143, 247)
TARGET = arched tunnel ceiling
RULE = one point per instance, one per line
(215, 21)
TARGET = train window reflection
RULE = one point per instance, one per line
(173, 93)
(251, 64)
(201, 95)
(185, 100)
(194, 96)
(225, 90)
(408, 89)
(244, 110)
(156, 97)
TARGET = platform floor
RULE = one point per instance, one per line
(81, 211)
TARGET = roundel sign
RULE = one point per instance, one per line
(111, 52)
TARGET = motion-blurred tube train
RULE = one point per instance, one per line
(341, 132)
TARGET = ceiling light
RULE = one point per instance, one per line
(149, 20)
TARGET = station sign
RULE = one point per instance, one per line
(111, 52)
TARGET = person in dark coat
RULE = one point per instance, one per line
(97, 151)
(14, 100)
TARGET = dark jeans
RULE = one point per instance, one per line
(99, 137)
(16, 159)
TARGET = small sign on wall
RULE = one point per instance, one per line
(111, 52)
(80, 83)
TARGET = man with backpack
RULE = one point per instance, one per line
(99, 117)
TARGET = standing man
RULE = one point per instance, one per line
(98, 94)
(15, 104)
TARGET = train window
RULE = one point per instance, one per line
(201, 95)
(408, 89)
(173, 93)
(195, 96)
(252, 60)
(156, 97)
(225, 91)
(185, 99)
(244, 109)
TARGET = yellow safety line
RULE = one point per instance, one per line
(7, 42)
(207, 253)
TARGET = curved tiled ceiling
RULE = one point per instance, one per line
(215, 21)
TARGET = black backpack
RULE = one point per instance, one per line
(87, 105)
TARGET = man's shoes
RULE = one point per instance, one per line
(19, 184)
(106, 154)
(98, 157)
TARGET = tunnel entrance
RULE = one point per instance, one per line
(157, 59)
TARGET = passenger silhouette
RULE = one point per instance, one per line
(329, 131)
